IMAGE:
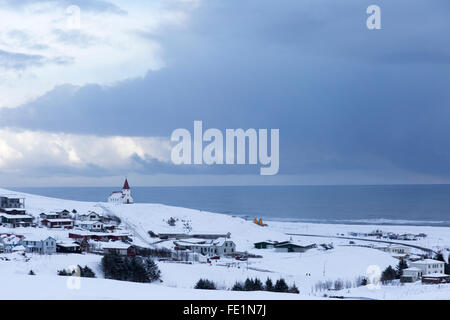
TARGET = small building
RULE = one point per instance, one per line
(9, 241)
(68, 247)
(42, 245)
(221, 246)
(45, 216)
(99, 236)
(90, 216)
(436, 278)
(16, 220)
(411, 274)
(397, 251)
(91, 225)
(120, 248)
(429, 266)
(269, 244)
(65, 214)
(58, 223)
(11, 201)
(292, 247)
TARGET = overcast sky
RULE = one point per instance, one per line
(88, 106)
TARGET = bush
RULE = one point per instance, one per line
(281, 286)
(293, 289)
(388, 274)
(205, 284)
(85, 272)
(135, 269)
(64, 273)
(253, 285)
(269, 285)
(238, 286)
(401, 265)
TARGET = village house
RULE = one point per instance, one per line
(220, 247)
(67, 247)
(120, 248)
(121, 197)
(91, 225)
(16, 220)
(411, 274)
(289, 246)
(58, 223)
(397, 251)
(9, 241)
(269, 244)
(90, 216)
(11, 202)
(45, 216)
(42, 245)
(429, 266)
(99, 236)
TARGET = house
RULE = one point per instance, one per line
(220, 246)
(411, 274)
(16, 220)
(9, 241)
(292, 247)
(91, 225)
(121, 197)
(436, 278)
(429, 266)
(8, 202)
(397, 251)
(45, 216)
(65, 214)
(269, 244)
(68, 247)
(120, 248)
(58, 223)
(42, 245)
(90, 216)
(99, 236)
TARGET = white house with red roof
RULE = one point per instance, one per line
(123, 196)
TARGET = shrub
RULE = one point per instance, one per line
(135, 269)
(253, 285)
(281, 286)
(388, 274)
(205, 284)
(238, 286)
(269, 285)
(293, 289)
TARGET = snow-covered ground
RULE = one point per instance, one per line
(345, 262)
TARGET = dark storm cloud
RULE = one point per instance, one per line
(343, 97)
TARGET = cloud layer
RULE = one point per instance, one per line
(350, 103)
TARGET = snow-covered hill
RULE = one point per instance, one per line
(345, 262)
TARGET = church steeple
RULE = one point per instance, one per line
(126, 186)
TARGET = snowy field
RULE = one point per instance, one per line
(345, 262)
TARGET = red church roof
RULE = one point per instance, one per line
(126, 185)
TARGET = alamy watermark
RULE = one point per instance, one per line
(191, 151)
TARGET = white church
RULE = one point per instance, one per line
(123, 196)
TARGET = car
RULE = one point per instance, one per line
(215, 258)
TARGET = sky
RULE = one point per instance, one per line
(90, 91)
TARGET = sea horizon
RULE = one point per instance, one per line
(395, 204)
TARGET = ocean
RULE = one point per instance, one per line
(387, 204)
